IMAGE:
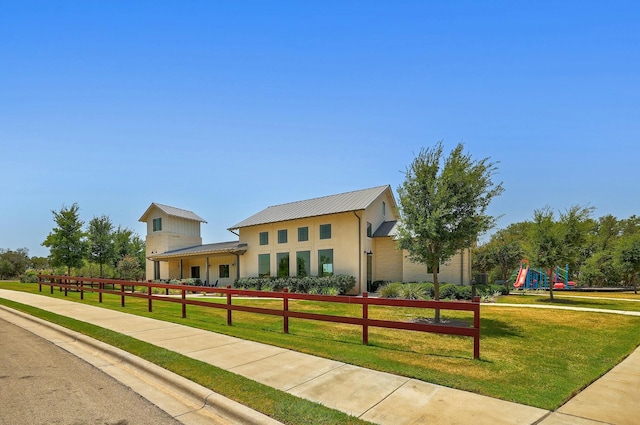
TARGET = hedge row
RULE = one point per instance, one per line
(330, 285)
(448, 291)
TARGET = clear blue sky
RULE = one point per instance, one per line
(225, 108)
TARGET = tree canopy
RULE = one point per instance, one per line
(67, 242)
(443, 203)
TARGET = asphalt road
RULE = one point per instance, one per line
(41, 383)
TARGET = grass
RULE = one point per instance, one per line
(535, 357)
(623, 302)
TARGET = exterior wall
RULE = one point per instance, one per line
(457, 270)
(176, 233)
(343, 241)
(388, 264)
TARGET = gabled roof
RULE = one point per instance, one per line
(333, 204)
(171, 211)
(232, 247)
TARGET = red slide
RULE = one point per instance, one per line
(522, 277)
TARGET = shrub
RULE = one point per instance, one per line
(464, 293)
(448, 291)
(376, 284)
(390, 290)
(413, 291)
(308, 284)
(30, 276)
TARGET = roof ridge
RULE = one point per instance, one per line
(329, 196)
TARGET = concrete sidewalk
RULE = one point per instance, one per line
(374, 396)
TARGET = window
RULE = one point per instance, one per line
(369, 232)
(384, 208)
(156, 270)
(303, 234)
(157, 224)
(195, 272)
(283, 264)
(264, 238)
(282, 236)
(264, 265)
(223, 271)
(325, 231)
(303, 263)
(325, 262)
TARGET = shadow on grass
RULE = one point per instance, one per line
(499, 329)
(574, 303)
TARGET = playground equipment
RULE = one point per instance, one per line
(529, 278)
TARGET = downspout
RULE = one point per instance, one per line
(359, 253)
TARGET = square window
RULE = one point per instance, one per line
(325, 231)
(303, 234)
(195, 272)
(264, 238)
(282, 236)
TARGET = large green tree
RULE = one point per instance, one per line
(100, 238)
(67, 242)
(15, 262)
(443, 203)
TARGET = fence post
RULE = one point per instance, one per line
(228, 306)
(184, 306)
(51, 285)
(365, 318)
(121, 295)
(100, 286)
(476, 324)
(149, 297)
(81, 288)
(40, 282)
(66, 286)
(285, 309)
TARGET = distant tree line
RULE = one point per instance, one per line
(601, 252)
(14, 263)
(99, 249)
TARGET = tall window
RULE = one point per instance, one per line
(282, 236)
(325, 262)
(223, 271)
(157, 224)
(264, 265)
(369, 230)
(303, 263)
(384, 209)
(325, 231)
(156, 270)
(283, 264)
(264, 238)
(303, 234)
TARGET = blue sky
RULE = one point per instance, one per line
(225, 108)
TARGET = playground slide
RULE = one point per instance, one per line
(522, 277)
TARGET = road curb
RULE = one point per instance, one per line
(197, 394)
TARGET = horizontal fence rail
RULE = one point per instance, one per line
(127, 289)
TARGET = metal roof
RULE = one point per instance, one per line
(333, 204)
(172, 211)
(232, 247)
(387, 228)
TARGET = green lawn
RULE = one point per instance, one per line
(531, 356)
(616, 301)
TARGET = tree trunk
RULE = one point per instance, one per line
(436, 292)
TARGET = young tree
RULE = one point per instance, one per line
(129, 268)
(443, 203)
(100, 238)
(67, 242)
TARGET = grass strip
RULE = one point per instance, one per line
(277, 404)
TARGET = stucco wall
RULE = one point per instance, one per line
(387, 262)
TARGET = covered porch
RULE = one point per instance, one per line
(215, 264)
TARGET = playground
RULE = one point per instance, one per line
(527, 277)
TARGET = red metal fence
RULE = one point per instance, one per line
(101, 286)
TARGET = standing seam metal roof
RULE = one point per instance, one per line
(173, 211)
(333, 204)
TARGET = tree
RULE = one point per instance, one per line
(129, 268)
(67, 242)
(628, 256)
(18, 261)
(443, 203)
(100, 238)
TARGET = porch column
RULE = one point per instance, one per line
(207, 274)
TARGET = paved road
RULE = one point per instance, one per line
(41, 383)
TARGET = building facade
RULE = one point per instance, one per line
(351, 233)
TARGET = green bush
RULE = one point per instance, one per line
(413, 291)
(336, 284)
(376, 284)
(448, 291)
(390, 290)
(30, 276)
(463, 293)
